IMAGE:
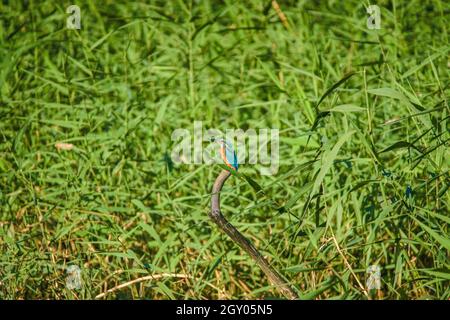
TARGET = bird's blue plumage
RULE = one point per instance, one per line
(228, 154)
(231, 157)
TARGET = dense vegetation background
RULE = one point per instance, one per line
(86, 177)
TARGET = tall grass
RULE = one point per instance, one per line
(364, 134)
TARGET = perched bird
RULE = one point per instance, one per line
(228, 154)
(230, 158)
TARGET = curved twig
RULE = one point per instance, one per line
(146, 278)
(216, 215)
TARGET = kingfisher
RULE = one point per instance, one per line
(228, 154)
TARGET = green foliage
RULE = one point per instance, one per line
(362, 115)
